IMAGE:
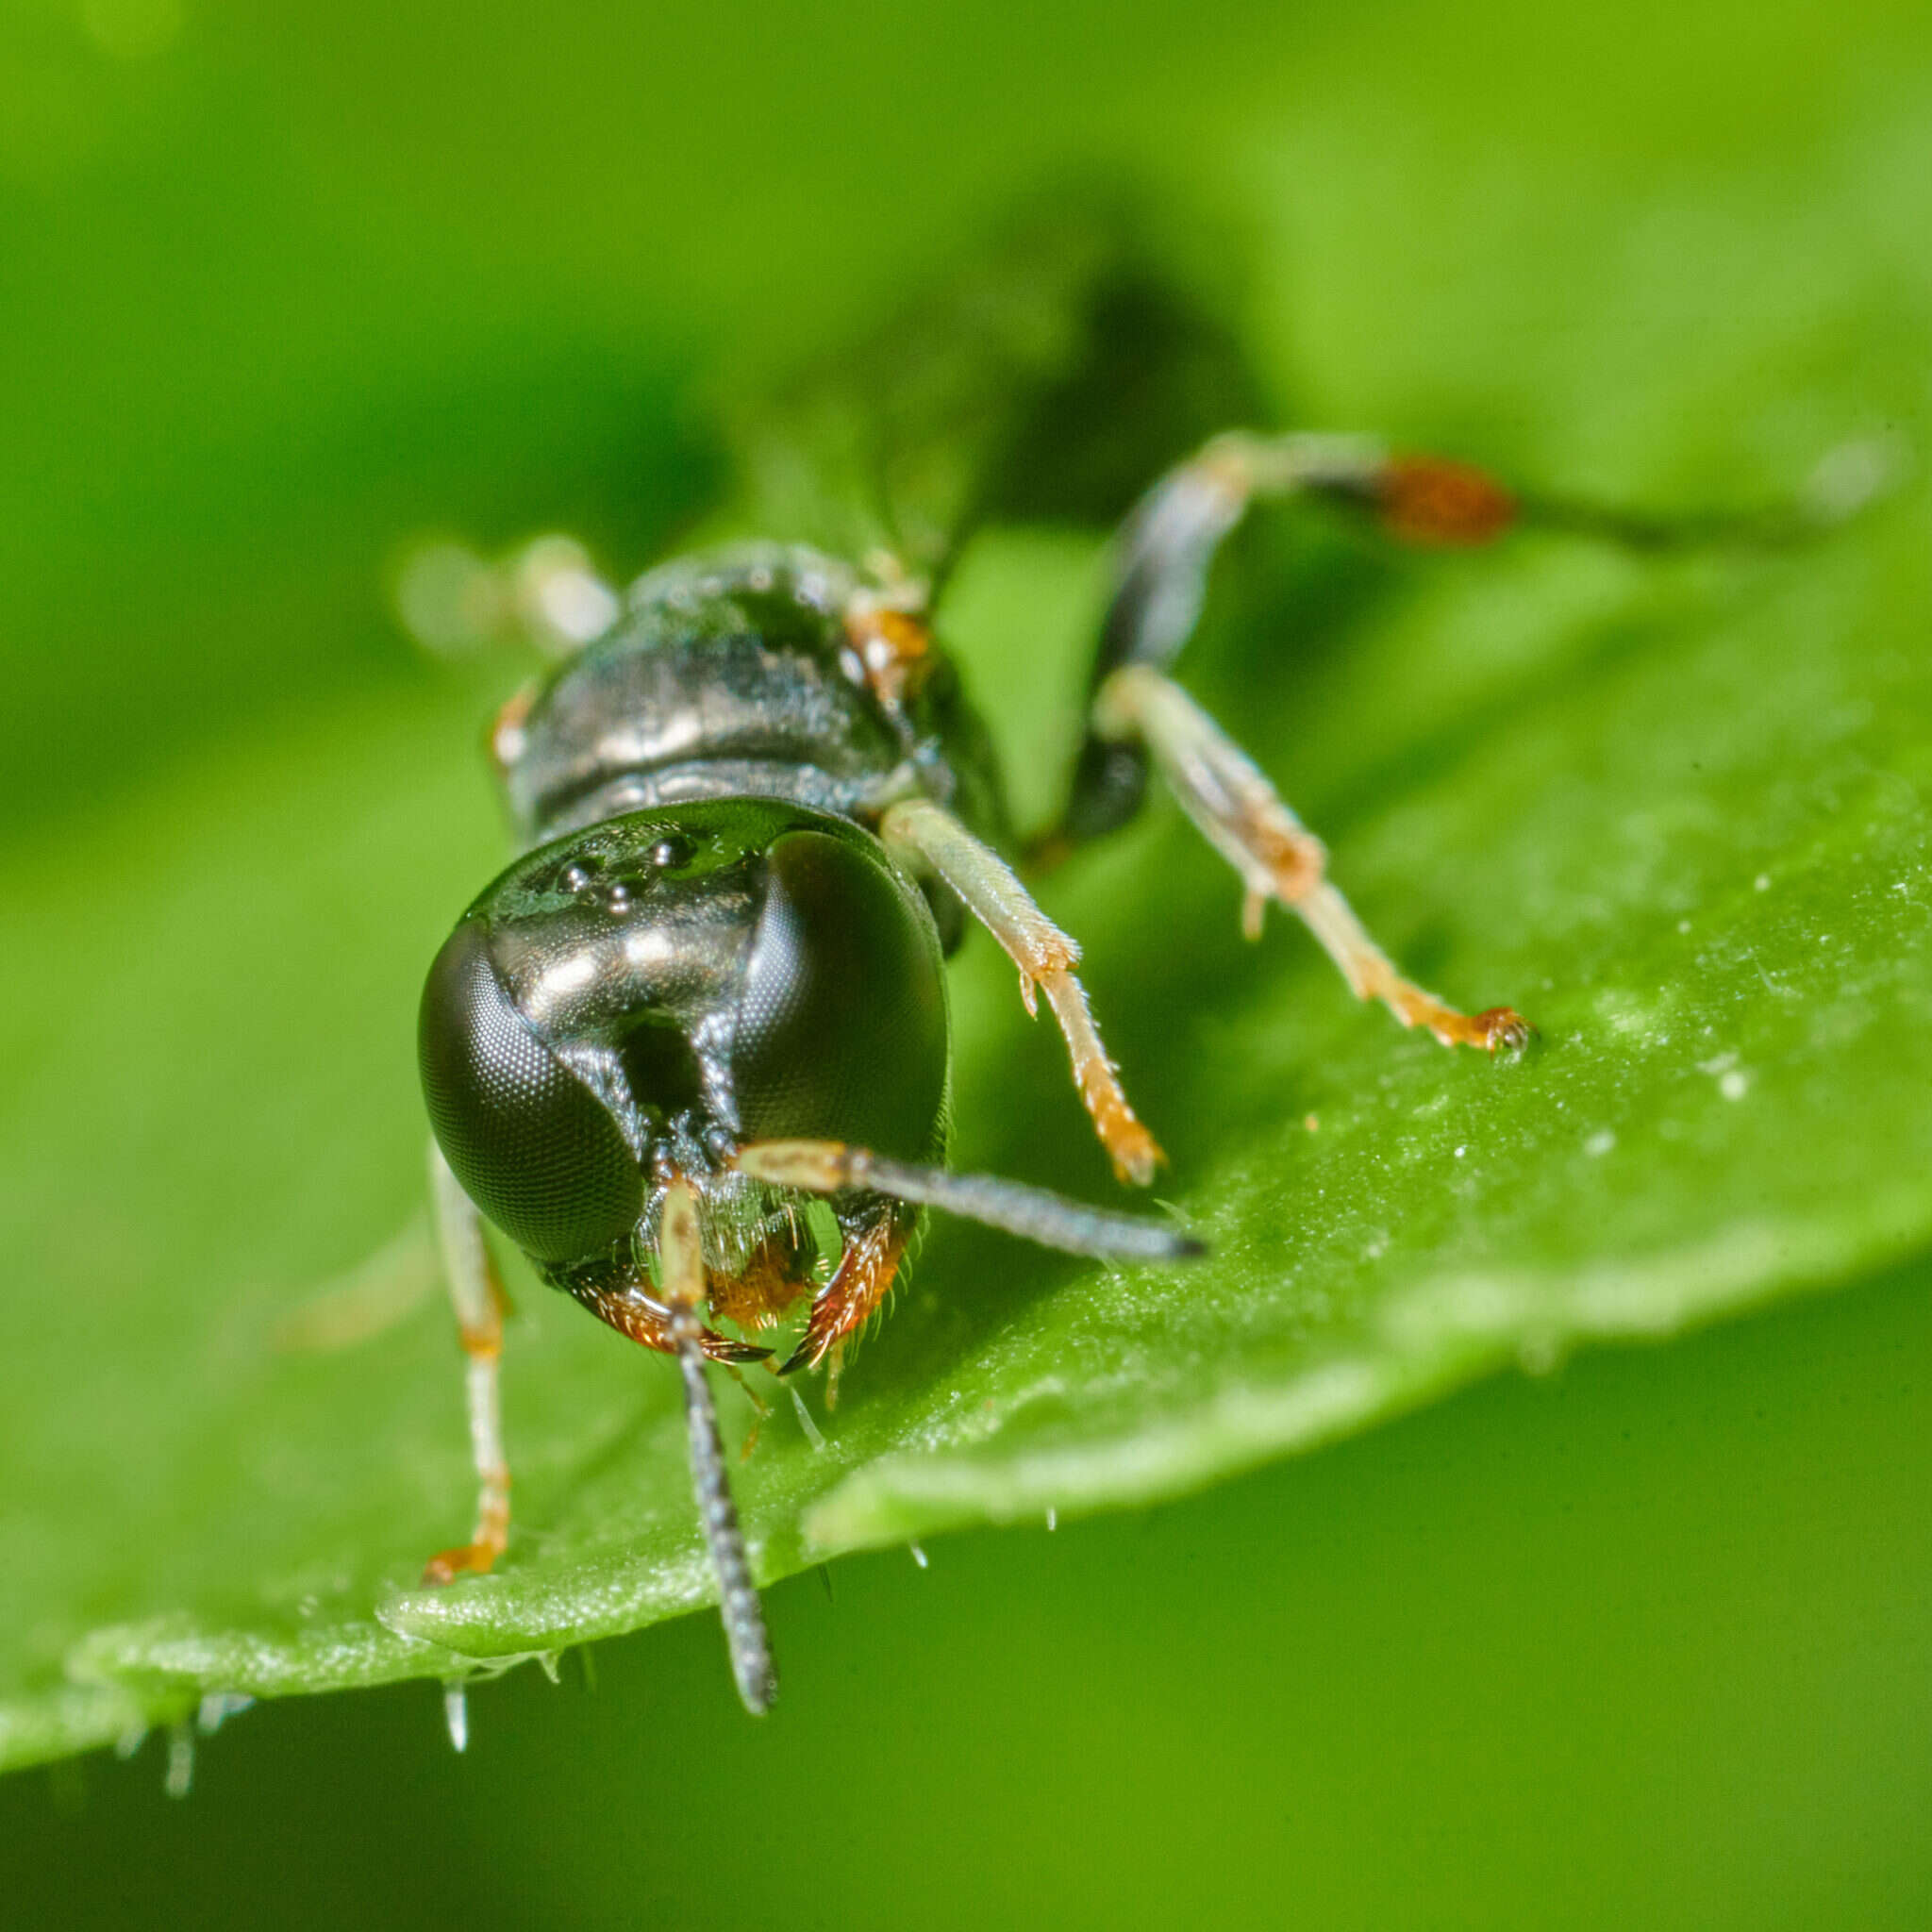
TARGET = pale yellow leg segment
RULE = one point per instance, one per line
(1045, 957)
(1245, 820)
(476, 1293)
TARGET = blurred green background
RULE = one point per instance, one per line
(1649, 1638)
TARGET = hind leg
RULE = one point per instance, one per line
(1139, 718)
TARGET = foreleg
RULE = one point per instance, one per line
(1045, 957)
(476, 1294)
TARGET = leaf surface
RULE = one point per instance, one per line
(1673, 806)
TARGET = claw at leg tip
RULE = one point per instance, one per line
(447, 1565)
(1503, 1029)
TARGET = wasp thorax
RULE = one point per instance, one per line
(667, 983)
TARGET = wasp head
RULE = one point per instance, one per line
(637, 1000)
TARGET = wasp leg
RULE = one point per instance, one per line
(1045, 957)
(1139, 714)
(1168, 543)
(477, 1295)
(681, 1260)
(1246, 821)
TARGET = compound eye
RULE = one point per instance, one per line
(841, 1031)
(532, 1146)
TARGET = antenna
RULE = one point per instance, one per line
(826, 1167)
(680, 1252)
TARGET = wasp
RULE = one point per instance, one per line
(758, 812)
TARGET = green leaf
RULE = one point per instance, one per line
(1674, 808)
(1689, 839)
